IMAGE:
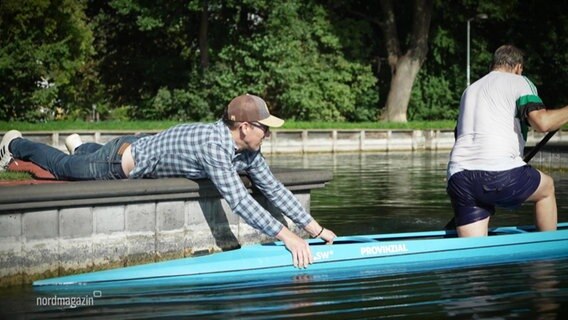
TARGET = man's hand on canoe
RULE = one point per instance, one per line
(317, 231)
(300, 249)
(328, 236)
(301, 253)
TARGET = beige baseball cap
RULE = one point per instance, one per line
(251, 108)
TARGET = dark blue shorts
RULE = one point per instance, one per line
(476, 193)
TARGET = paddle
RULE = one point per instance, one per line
(539, 146)
(452, 223)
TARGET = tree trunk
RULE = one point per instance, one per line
(203, 41)
(400, 89)
(404, 68)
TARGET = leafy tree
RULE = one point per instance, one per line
(43, 44)
(406, 64)
(284, 51)
(287, 52)
(526, 24)
(311, 59)
(142, 47)
(542, 32)
(405, 48)
(307, 76)
(432, 98)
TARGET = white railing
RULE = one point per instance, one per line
(315, 140)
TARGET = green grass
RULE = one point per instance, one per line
(161, 125)
(15, 176)
(418, 125)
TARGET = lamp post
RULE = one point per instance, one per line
(481, 16)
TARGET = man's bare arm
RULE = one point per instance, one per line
(545, 120)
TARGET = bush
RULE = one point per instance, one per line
(432, 99)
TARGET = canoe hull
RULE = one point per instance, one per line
(381, 254)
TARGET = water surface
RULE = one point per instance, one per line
(370, 193)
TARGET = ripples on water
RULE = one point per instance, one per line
(370, 193)
(536, 290)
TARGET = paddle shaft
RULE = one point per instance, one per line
(539, 146)
(452, 223)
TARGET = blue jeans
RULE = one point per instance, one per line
(91, 161)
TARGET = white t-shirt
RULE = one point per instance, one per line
(492, 126)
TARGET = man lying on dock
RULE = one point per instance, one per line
(217, 151)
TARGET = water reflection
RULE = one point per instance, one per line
(544, 280)
(533, 291)
(537, 290)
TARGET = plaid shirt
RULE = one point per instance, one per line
(198, 151)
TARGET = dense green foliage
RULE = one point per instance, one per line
(44, 44)
(312, 60)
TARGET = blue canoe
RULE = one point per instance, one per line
(387, 253)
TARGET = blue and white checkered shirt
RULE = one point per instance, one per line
(199, 151)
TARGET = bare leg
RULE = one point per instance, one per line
(475, 229)
(545, 210)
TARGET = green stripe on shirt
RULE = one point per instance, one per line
(521, 103)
